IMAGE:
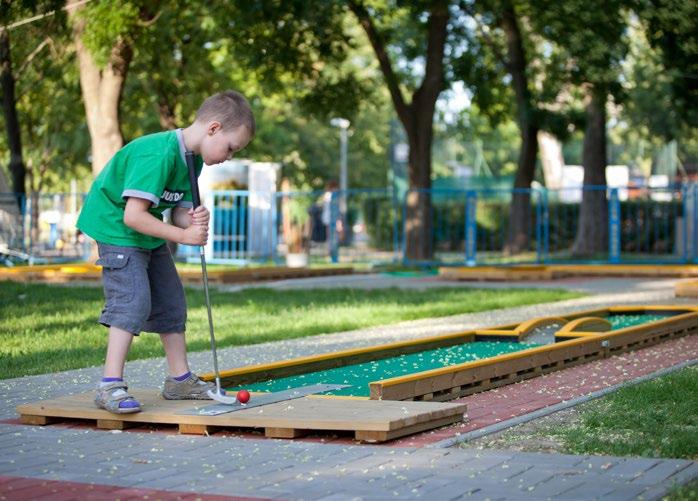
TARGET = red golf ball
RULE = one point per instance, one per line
(243, 396)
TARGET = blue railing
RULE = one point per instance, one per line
(649, 225)
(464, 226)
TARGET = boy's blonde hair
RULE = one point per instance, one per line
(230, 108)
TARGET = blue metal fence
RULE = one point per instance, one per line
(649, 225)
(467, 226)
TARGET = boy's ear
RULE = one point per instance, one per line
(213, 127)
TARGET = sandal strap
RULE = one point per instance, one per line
(113, 388)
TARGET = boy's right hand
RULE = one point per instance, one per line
(196, 234)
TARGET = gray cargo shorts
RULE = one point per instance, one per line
(142, 290)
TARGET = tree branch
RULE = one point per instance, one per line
(378, 44)
(432, 84)
(485, 35)
(31, 56)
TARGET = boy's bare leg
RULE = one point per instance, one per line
(117, 349)
(176, 352)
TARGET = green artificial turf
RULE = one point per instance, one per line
(358, 376)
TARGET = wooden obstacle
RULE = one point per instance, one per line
(369, 420)
(553, 272)
(687, 288)
(93, 273)
(583, 336)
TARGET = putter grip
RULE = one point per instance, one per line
(189, 157)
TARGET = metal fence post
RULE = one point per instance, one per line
(405, 261)
(471, 228)
(691, 221)
(614, 226)
(539, 225)
(275, 227)
(396, 230)
(334, 238)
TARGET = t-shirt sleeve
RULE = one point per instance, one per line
(146, 177)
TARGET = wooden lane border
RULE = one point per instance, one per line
(566, 355)
(471, 377)
(551, 272)
(262, 273)
(89, 272)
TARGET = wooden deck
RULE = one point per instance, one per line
(369, 420)
(687, 288)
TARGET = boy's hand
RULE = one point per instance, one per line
(199, 216)
(196, 234)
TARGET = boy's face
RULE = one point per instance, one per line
(219, 145)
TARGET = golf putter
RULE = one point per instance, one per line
(219, 395)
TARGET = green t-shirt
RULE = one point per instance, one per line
(151, 167)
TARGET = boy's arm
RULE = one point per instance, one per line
(181, 217)
(184, 217)
(137, 217)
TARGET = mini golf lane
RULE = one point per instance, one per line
(360, 375)
(447, 367)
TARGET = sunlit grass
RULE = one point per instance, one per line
(46, 328)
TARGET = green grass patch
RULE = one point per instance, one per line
(46, 328)
(657, 418)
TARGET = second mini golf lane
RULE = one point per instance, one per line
(360, 375)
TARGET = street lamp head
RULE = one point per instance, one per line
(342, 123)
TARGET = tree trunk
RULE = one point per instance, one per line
(592, 230)
(518, 235)
(551, 159)
(417, 118)
(9, 108)
(101, 93)
(418, 226)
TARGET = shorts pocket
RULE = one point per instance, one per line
(117, 278)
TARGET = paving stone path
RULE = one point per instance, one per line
(63, 462)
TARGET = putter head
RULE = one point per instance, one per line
(221, 397)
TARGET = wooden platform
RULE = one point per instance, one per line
(688, 288)
(370, 420)
(93, 273)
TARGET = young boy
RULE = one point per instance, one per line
(123, 213)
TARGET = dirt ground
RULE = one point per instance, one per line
(535, 436)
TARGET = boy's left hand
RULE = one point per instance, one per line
(200, 216)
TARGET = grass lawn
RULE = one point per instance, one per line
(657, 418)
(46, 328)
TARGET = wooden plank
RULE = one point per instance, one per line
(686, 289)
(114, 424)
(195, 429)
(275, 432)
(382, 436)
(38, 420)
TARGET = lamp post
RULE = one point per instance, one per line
(343, 125)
